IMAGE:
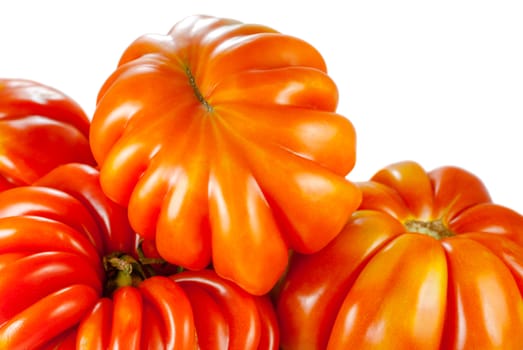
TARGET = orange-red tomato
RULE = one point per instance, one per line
(223, 140)
(70, 278)
(427, 262)
(40, 128)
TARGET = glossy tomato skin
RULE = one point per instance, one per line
(188, 310)
(222, 139)
(384, 283)
(53, 237)
(40, 128)
(82, 182)
(250, 321)
(154, 315)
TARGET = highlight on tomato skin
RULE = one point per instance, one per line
(428, 261)
(73, 277)
(40, 128)
(223, 140)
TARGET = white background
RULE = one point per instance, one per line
(438, 82)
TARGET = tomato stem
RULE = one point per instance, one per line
(434, 228)
(122, 270)
(197, 92)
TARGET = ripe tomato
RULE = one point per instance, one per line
(40, 128)
(427, 262)
(222, 139)
(70, 277)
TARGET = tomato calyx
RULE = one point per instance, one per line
(196, 90)
(433, 228)
(122, 269)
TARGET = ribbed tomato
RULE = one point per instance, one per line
(72, 278)
(223, 140)
(428, 261)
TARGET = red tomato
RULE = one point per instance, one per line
(40, 128)
(427, 262)
(222, 139)
(70, 278)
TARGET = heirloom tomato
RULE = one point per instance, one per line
(428, 261)
(222, 139)
(72, 276)
(40, 128)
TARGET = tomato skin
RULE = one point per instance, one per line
(25, 331)
(52, 204)
(237, 307)
(42, 274)
(40, 128)
(33, 234)
(363, 325)
(82, 182)
(65, 341)
(228, 98)
(174, 309)
(482, 292)
(51, 248)
(270, 331)
(382, 284)
(250, 320)
(186, 310)
(69, 199)
(94, 330)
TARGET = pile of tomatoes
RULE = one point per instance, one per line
(205, 204)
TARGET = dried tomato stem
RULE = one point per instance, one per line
(197, 92)
(122, 269)
(434, 228)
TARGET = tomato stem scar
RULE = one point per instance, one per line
(434, 228)
(196, 90)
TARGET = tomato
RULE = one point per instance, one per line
(222, 139)
(40, 128)
(428, 261)
(71, 276)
